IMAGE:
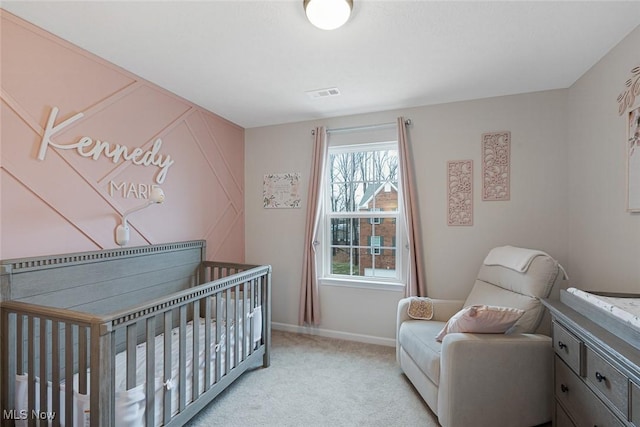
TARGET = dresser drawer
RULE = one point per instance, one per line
(562, 419)
(580, 402)
(568, 347)
(635, 404)
(604, 377)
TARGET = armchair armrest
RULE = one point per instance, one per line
(443, 309)
(506, 375)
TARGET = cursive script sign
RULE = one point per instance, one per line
(94, 148)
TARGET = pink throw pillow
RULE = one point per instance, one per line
(483, 319)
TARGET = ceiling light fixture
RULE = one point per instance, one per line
(328, 14)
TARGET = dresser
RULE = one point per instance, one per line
(596, 367)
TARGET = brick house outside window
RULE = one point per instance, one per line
(378, 234)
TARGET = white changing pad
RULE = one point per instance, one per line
(625, 309)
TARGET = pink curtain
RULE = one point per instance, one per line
(416, 283)
(309, 312)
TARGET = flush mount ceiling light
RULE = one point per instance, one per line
(328, 14)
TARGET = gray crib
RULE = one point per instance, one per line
(146, 335)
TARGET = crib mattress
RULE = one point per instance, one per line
(130, 404)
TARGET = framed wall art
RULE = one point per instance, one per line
(281, 191)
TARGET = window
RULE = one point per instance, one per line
(360, 221)
(376, 242)
(375, 220)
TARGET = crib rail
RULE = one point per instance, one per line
(47, 344)
(51, 346)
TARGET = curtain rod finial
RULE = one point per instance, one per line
(408, 122)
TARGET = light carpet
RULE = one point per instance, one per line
(318, 381)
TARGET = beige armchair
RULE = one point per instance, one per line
(487, 379)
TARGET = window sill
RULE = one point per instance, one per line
(362, 284)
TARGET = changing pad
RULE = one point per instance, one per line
(625, 309)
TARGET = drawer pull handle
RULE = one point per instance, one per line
(564, 388)
(561, 345)
(600, 377)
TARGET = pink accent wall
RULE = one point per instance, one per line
(66, 202)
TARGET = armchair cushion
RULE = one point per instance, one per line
(485, 319)
(418, 340)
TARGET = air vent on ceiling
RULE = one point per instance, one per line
(323, 93)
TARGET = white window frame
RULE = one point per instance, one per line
(324, 248)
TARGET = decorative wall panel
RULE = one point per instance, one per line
(460, 192)
(69, 201)
(496, 166)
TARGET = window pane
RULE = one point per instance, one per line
(342, 231)
(362, 248)
(363, 180)
(342, 262)
(385, 197)
(372, 264)
(377, 242)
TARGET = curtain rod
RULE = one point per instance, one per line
(407, 122)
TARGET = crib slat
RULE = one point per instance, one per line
(227, 323)
(168, 325)
(182, 358)
(20, 319)
(151, 372)
(82, 360)
(253, 304)
(31, 368)
(207, 343)
(43, 365)
(68, 373)
(246, 316)
(132, 339)
(195, 354)
(9, 325)
(241, 334)
(264, 295)
(55, 371)
(219, 329)
(237, 314)
(102, 400)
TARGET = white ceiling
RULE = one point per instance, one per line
(252, 61)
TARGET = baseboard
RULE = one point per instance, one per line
(368, 339)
